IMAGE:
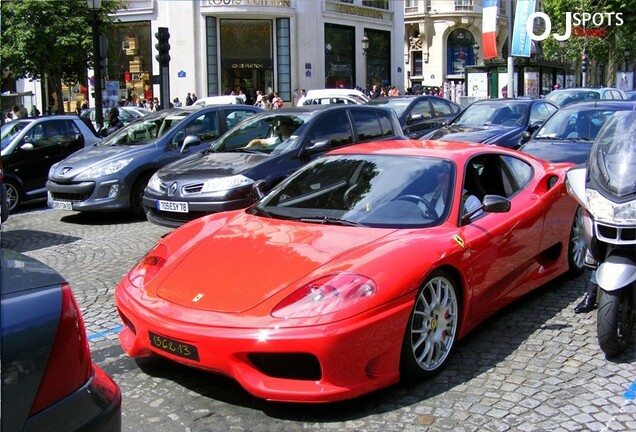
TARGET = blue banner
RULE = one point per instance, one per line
(520, 38)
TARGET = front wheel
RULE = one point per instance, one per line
(432, 327)
(614, 320)
(576, 247)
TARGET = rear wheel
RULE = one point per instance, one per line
(432, 328)
(137, 195)
(576, 246)
(614, 320)
(13, 195)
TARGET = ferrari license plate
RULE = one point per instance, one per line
(172, 206)
(173, 346)
(62, 205)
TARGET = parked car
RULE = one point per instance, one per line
(495, 121)
(220, 100)
(330, 99)
(568, 135)
(113, 175)
(630, 94)
(126, 114)
(565, 96)
(49, 382)
(342, 279)
(317, 94)
(31, 146)
(222, 177)
(4, 199)
(420, 114)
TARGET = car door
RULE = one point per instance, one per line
(500, 246)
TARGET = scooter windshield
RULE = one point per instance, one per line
(612, 164)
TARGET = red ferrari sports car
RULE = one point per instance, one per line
(365, 266)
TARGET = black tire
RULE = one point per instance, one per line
(432, 329)
(13, 195)
(137, 194)
(576, 245)
(614, 320)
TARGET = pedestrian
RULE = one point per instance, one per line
(296, 97)
(194, 98)
(114, 123)
(16, 112)
(277, 102)
(176, 103)
(189, 99)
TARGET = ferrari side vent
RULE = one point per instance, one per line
(298, 366)
(552, 181)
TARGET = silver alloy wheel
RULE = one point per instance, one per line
(577, 243)
(434, 324)
(13, 196)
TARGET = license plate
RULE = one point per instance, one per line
(62, 205)
(174, 347)
(172, 206)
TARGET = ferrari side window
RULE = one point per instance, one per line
(517, 174)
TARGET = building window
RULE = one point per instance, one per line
(339, 56)
(464, 5)
(283, 58)
(379, 57)
(211, 44)
(418, 69)
(378, 4)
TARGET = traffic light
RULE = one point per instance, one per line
(163, 47)
(584, 63)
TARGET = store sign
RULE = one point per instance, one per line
(359, 11)
(582, 21)
(275, 3)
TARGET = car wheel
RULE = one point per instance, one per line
(432, 329)
(576, 247)
(137, 195)
(13, 195)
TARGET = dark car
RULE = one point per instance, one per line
(4, 199)
(49, 382)
(568, 135)
(420, 114)
(223, 177)
(495, 121)
(566, 96)
(113, 175)
(126, 114)
(31, 145)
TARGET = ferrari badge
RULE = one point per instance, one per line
(459, 240)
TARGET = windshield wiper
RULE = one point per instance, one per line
(260, 211)
(331, 221)
(245, 150)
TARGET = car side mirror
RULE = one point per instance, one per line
(189, 141)
(316, 147)
(28, 146)
(416, 117)
(534, 126)
(525, 137)
(490, 204)
(258, 189)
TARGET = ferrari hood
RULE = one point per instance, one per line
(207, 165)
(467, 133)
(251, 259)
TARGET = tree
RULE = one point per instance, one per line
(49, 38)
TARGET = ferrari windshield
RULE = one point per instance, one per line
(369, 190)
(493, 113)
(572, 124)
(146, 129)
(613, 157)
(271, 133)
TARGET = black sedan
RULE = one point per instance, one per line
(496, 121)
(268, 146)
(568, 135)
(49, 382)
(420, 114)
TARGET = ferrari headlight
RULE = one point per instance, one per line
(326, 295)
(154, 184)
(604, 210)
(225, 183)
(149, 266)
(101, 170)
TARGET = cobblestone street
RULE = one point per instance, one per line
(535, 366)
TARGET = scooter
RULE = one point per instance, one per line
(606, 189)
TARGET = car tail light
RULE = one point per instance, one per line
(69, 366)
(148, 267)
(326, 295)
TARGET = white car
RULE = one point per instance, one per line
(220, 100)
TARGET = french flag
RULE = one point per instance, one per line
(489, 29)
